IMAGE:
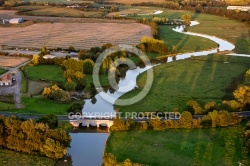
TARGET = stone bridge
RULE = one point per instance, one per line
(90, 122)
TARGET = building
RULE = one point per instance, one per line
(16, 21)
(48, 56)
(6, 80)
(241, 8)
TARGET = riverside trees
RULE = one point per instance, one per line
(33, 138)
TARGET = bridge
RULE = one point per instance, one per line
(92, 122)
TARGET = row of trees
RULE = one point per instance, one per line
(110, 160)
(213, 119)
(240, 103)
(33, 138)
(149, 44)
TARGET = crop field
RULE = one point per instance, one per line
(79, 35)
(11, 61)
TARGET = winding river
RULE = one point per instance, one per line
(88, 147)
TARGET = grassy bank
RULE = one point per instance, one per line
(231, 30)
(184, 43)
(203, 79)
(7, 106)
(11, 158)
(39, 105)
(213, 146)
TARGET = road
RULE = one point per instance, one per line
(16, 87)
(66, 118)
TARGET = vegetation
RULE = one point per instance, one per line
(203, 79)
(11, 158)
(211, 146)
(45, 72)
(56, 93)
(33, 138)
(184, 43)
(7, 106)
(2, 71)
(246, 136)
(229, 29)
(38, 105)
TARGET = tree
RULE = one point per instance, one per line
(53, 149)
(186, 18)
(44, 51)
(88, 66)
(213, 115)
(193, 107)
(70, 85)
(173, 50)
(35, 60)
(76, 107)
(242, 94)
(247, 76)
(49, 119)
(186, 120)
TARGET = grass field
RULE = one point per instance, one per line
(177, 82)
(48, 72)
(2, 71)
(210, 147)
(7, 106)
(11, 158)
(184, 43)
(39, 105)
(231, 30)
(135, 1)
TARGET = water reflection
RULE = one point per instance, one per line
(87, 148)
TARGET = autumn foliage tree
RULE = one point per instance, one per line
(32, 137)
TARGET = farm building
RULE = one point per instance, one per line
(241, 8)
(49, 56)
(6, 80)
(16, 20)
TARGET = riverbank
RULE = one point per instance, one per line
(211, 146)
(205, 79)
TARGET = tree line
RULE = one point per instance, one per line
(33, 137)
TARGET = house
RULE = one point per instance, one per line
(16, 21)
(6, 80)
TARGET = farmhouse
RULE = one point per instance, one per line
(6, 80)
(241, 8)
(16, 21)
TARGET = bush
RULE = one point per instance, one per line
(51, 120)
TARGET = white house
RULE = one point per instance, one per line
(16, 20)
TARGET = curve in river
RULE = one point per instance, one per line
(80, 143)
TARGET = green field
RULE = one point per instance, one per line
(7, 106)
(39, 105)
(203, 79)
(2, 71)
(184, 43)
(185, 147)
(231, 30)
(11, 158)
(52, 73)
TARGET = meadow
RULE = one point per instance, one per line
(234, 31)
(210, 147)
(184, 43)
(203, 79)
(11, 158)
(52, 73)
